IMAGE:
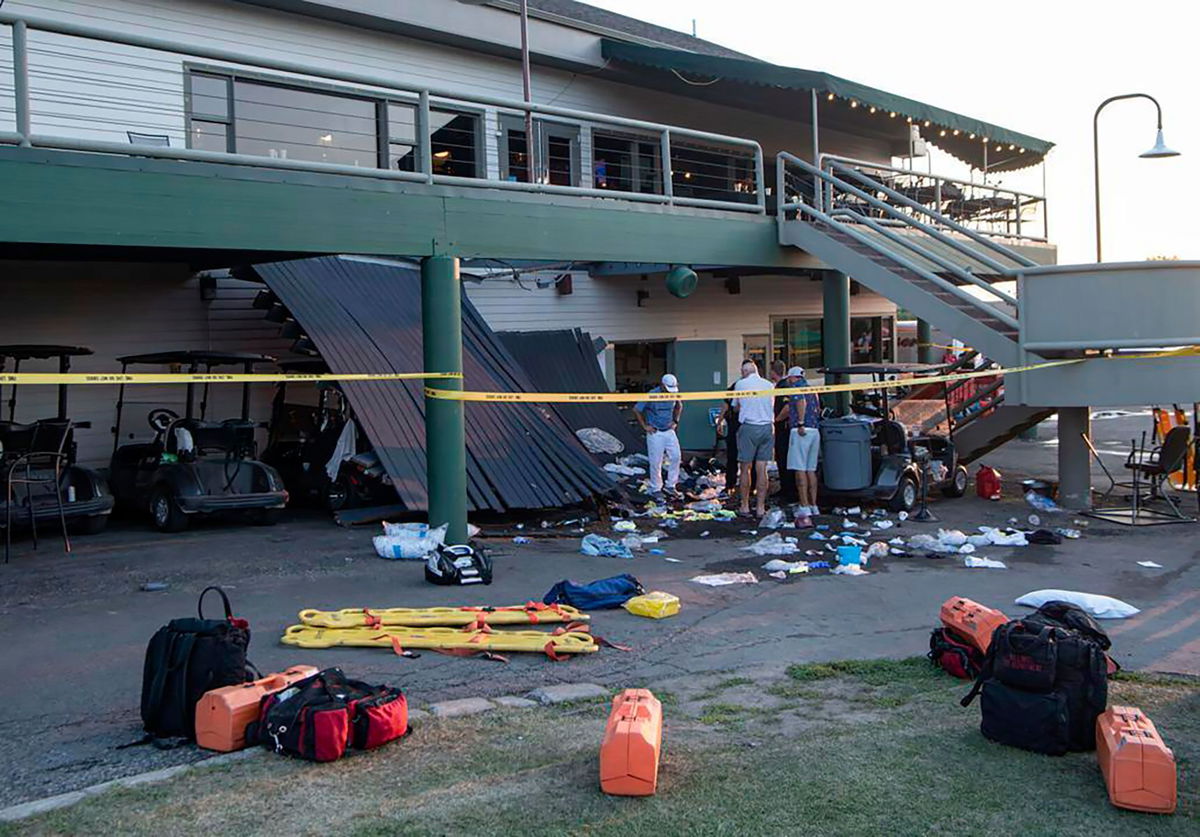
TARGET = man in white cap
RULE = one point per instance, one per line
(755, 439)
(803, 414)
(660, 419)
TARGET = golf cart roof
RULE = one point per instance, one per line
(884, 369)
(40, 351)
(305, 366)
(198, 356)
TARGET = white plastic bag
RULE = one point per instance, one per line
(408, 541)
(772, 544)
(951, 537)
(1101, 607)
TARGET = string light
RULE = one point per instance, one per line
(872, 109)
(942, 133)
(926, 123)
(999, 148)
(956, 132)
(909, 119)
(1021, 150)
(1012, 148)
(853, 103)
(892, 114)
(829, 97)
(985, 139)
(973, 136)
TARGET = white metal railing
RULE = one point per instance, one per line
(746, 191)
(991, 210)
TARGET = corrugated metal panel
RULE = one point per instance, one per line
(365, 316)
(565, 361)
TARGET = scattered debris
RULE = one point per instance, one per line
(521, 540)
(773, 544)
(884, 524)
(653, 605)
(773, 519)
(722, 579)
(623, 470)
(1042, 503)
(776, 565)
(849, 569)
(593, 544)
(975, 562)
(879, 549)
(1101, 607)
(705, 533)
(1151, 564)
(154, 586)
(599, 441)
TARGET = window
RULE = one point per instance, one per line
(711, 173)
(557, 146)
(250, 116)
(626, 163)
(798, 340)
(454, 140)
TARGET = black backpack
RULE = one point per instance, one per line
(1044, 681)
(185, 659)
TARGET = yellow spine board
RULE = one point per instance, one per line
(422, 617)
(569, 642)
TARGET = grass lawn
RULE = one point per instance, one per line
(853, 748)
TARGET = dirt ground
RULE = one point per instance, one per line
(75, 627)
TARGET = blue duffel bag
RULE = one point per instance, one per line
(605, 593)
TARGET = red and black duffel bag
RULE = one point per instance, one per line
(319, 717)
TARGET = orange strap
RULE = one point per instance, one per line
(400, 652)
(373, 621)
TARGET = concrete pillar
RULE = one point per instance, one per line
(835, 288)
(445, 432)
(925, 352)
(1074, 461)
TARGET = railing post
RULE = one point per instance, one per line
(937, 193)
(760, 179)
(665, 153)
(20, 50)
(425, 136)
(1017, 196)
(1045, 217)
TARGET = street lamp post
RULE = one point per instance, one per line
(1159, 150)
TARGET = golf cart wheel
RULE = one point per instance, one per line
(165, 511)
(957, 487)
(93, 525)
(337, 495)
(264, 517)
(906, 495)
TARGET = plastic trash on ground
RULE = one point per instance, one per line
(593, 544)
(977, 562)
(773, 519)
(722, 579)
(623, 470)
(879, 549)
(883, 524)
(1101, 607)
(849, 569)
(625, 526)
(849, 555)
(951, 537)
(596, 440)
(772, 544)
(776, 565)
(1042, 503)
(709, 506)
(633, 543)
(408, 541)
(653, 605)
(1151, 564)
(520, 540)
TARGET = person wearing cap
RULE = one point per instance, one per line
(660, 419)
(803, 416)
(755, 439)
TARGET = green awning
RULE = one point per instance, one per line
(1007, 149)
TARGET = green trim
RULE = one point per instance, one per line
(70, 198)
(789, 78)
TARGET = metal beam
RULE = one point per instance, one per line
(1074, 462)
(445, 428)
(835, 331)
(69, 198)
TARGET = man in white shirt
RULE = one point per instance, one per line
(755, 439)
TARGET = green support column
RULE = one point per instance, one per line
(836, 328)
(925, 352)
(445, 432)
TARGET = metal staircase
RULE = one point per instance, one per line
(939, 270)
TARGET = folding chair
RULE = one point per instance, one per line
(43, 464)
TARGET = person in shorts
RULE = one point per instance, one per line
(755, 439)
(804, 444)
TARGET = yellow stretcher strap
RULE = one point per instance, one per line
(530, 613)
(74, 378)
(396, 637)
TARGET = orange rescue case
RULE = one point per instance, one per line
(222, 715)
(632, 743)
(1137, 766)
(971, 621)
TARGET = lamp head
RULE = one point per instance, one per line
(1159, 149)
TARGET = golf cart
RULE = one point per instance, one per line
(193, 465)
(317, 447)
(39, 480)
(868, 456)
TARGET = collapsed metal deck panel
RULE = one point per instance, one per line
(365, 315)
(564, 360)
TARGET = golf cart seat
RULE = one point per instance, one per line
(890, 435)
(15, 437)
(233, 436)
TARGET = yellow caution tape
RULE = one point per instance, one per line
(72, 378)
(532, 613)
(814, 389)
(397, 638)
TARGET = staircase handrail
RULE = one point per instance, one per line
(937, 216)
(871, 243)
(906, 241)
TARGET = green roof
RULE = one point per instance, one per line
(1026, 150)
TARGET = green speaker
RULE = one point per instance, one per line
(681, 281)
